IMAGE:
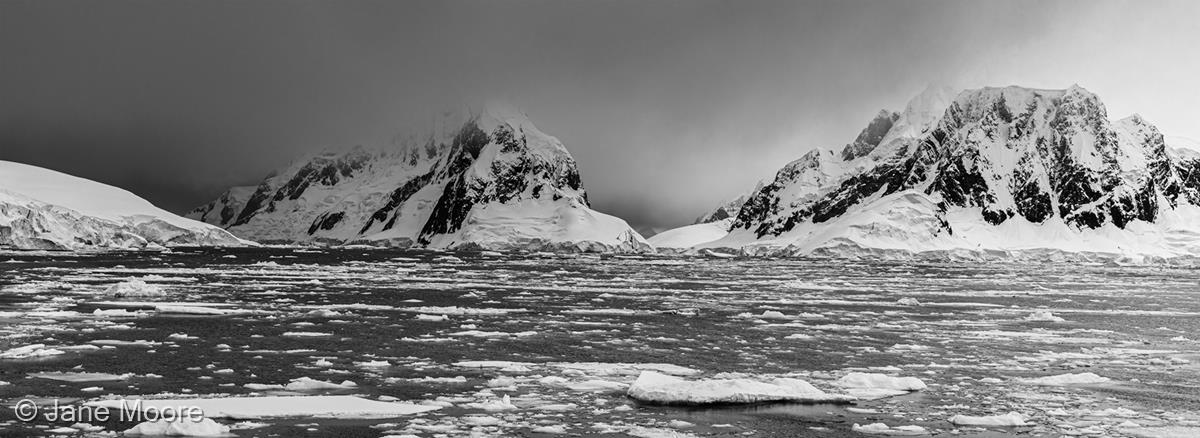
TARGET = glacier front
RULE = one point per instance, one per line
(47, 210)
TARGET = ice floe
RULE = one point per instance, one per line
(250, 408)
(884, 429)
(80, 377)
(180, 427)
(1043, 315)
(1069, 379)
(135, 288)
(655, 387)
(1011, 419)
(875, 386)
(28, 351)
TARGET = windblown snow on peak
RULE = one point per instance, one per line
(483, 178)
(992, 171)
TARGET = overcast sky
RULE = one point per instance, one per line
(670, 107)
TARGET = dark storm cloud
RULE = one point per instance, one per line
(669, 106)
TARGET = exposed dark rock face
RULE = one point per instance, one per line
(428, 188)
(1012, 153)
(870, 136)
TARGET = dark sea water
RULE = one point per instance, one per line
(976, 334)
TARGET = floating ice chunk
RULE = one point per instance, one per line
(309, 384)
(135, 288)
(767, 314)
(558, 407)
(680, 424)
(80, 377)
(773, 314)
(883, 429)
(303, 384)
(1162, 432)
(874, 385)
(447, 259)
(182, 427)
(122, 343)
(28, 351)
(501, 382)
(424, 317)
(325, 313)
(592, 385)
(248, 408)
(1011, 419)
(110, 313)
(488, 334)
(503, 404)
(624, 369)
(181, 336)
(909, 347)
(596, 386)
(655, 387)
(454, 310)
(503, 365)
(558, 429)
(191, 309)
(1069, 379)
(85, 427)
(1043, 315)
(305, 334)
(906, 301)
(374, 364)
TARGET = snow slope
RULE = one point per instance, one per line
(998, 172)
(486, 179)
(691, 235)
(44, 209)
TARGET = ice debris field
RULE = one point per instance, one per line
(369, 343)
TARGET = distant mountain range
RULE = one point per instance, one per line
(993, 171)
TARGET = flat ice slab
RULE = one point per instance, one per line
(330, 406)
(656, 387)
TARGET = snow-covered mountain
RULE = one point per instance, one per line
(993, 171)
(479, 179)
(44, 209)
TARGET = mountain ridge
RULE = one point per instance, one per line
(1047, 163)
(477, 179)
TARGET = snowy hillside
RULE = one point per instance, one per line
(691, 235)
(484, 179)
(1000, 171)
(44, 209)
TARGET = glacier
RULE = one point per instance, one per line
(41, 209)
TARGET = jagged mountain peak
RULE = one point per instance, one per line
(919, 116)
(993, 168)
(483, 175)
(871, 136)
